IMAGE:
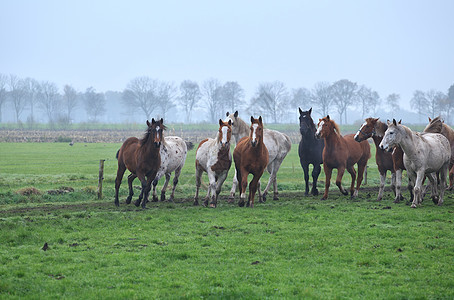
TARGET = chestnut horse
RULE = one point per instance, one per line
(437, 125)
(213, 156)
(341, 152)
(424, 155)
(310, 150)
(142, 158)
(251, 157)
(373, 127)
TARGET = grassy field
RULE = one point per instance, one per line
(297, 247)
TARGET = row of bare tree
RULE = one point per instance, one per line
(151, 97)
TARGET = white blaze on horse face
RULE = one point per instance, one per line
(360, 129)
(157, 132)
(319, 128)
(254, 132)
(224, 131)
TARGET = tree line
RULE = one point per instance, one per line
(153, 97)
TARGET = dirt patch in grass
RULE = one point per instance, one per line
(28, 191)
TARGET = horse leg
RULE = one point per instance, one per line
(176, 176)
(361, 169)
(271, 170)
(198, 182)
(219, 183)
(315, 173)
(242, 184)
(382, 185)
(259, 190)
(147, 190)
(352, 171)
(252, 190)
(328, 172)
(143, 181)
(398, 192)
(121, 170)
(393, 182)
(164, 188)
(233, 190)
(451, 177)
(442, 187)
(340, 174)
(434, 184)
(417, 190)
(131, 178)
(211, 189)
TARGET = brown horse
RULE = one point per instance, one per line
(341, 152)
(437, 125)
(386, 161)
(251, 157)
(142, 158)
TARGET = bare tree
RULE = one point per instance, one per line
(392, 101)
(301, 97)
(435, 99)
(233, 95)
(33, 89)
(419, 102)
(3, 93)
(367, 100)
(95, 103)
(322, 97)
(70, 101)
(189, 97)
(344, 95)
(212, 94)
(449, 103)
(271, 100)
(142, 93)
(50, 100)
(17, 94)
(166, 95)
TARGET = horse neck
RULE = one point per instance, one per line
(243, 129)
(332, 139)
(409, 143)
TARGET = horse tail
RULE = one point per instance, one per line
(189, 145)
(118, 152)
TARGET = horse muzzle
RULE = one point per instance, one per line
(254, 143)
(157, 144)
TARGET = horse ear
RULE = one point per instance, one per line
(252, 119)
(148, 123)
(394, 122)
(400, 121)
(153, 121)
(162, 121)
(230, 122)
(235, 114)
(260, 120)
(376, 120)
(301, 112)
(227, 114)
(220, 122)
(310, 110)
(388, 122)
(430, 120)
(327, 117)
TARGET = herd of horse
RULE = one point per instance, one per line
(429, 154)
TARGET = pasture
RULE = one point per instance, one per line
(297, 247)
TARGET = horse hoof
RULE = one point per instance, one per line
(171, 199)
(155, 199)
(137, 203)
(128, 200)
(212, 205)
(163, 197)
(435, 199)
(241, 203)
(231, 200)
(196, 202)
(314, 192)
(117, 204)
(413, 205)
(324, 198)
(276, 198)
(205, 203)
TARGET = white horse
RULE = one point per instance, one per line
(425, 154)
(213, 156)
(278, 145)
(173, 156)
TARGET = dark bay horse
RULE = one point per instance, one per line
(437, 125)
(310, 150)
(142, 158)
(373, 127)
(341, 152)
(251, 157)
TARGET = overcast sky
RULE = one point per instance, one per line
(391, 46)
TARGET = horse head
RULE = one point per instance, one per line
(256, 135)
(225, 133)
(234, 119)
(393, 135)
(325, 127)
(307, 125)
(155, 129)
(366, 130)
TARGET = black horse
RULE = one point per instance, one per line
(310, 150)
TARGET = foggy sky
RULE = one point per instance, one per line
(391, 46)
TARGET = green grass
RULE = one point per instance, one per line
(297, 247)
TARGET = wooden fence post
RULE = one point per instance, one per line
(100, 178)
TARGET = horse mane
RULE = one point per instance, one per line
(147, 134)
(435, 126)
(242, 125)
(336, 127)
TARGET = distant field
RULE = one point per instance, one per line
(297, 247)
